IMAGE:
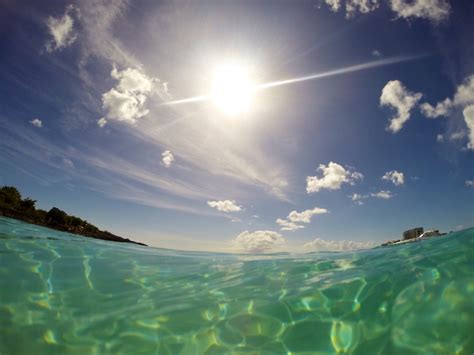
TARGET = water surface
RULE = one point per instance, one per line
(61, 293)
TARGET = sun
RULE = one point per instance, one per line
(232, 89)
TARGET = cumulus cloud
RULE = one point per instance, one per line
(464, 96)
(336, 245)
(286, 225)
(333, 176)
(62, 30)
(395, 95)
(102, 122)
(470, 183)
(469, 119)
(442, 108)
(126, 101)
(258, 241)
(439, 138)
(167, 158)
(37, 122)
(433, 10)
(352, 7)
(291, 222)
(225, 206)
(384, 194)
(394, 176)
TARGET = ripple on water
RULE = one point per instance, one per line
(71, 295)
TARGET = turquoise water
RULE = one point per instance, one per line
(61, 293)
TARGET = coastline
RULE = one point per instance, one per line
(13, 205)
(102, 235)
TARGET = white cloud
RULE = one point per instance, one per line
(352, 7)
(336, 245)
(102, 122)
(167, 158)
(384, 194)
(441, 109)
(470, 183)
(469, 119)
(362, 6)
(126, 101)
(357, 198)
(286, 225)
(334, 5)
(434, 10)
(62, 30)
(305, 216)
(291, 223)
(225, 206)
(394, 94)
(334, 175)
(377, 53)
(258, 241)
(464, 96)
(457, 135)
(439, 138)
(37, 122)
(394, 176)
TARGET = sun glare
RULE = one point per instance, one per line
(232, 89)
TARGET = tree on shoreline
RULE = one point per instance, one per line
(13, 205)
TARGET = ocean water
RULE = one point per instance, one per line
(61, 293)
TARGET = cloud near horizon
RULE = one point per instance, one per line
(334, 175)
(319, 244)
(259, 241)
(225, 206)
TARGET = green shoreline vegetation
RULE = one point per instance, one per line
(14, 206)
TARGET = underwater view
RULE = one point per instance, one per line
(62, 293)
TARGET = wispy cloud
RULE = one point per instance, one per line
(383, 194)
(62, 29)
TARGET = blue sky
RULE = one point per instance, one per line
(377, 137)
